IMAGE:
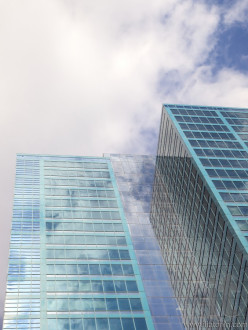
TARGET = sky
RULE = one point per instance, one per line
(84, 77)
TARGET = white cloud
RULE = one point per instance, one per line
(237, 13)
(227, 88)
(78, 71)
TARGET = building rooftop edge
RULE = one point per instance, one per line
(195, 106)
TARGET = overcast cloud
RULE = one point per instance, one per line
(86, 77)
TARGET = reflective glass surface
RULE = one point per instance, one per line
(134, 176)
(22, 305)
(199, 212)
(72, 263)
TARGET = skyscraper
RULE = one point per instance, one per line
(82, 253)
(200, 212)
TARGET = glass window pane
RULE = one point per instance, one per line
(105, 269)
(140, 324)
(108, 286)
(115, 324)
(124, 304)
(120, 286)
(102, 324)
(97, 286)
(111, 304)
(136, 304)
(131, 286)
(84, 286)
(127, 324)
(76, 324)
(89, 324)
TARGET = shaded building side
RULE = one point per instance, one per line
(205, 257)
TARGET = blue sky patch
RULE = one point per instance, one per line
(231, 50)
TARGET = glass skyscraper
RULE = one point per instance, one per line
(200, 213)
(136, 242)
(82, 253)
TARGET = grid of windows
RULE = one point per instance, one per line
(244, 137)
(237, 121)
(230, 185)
(221, 173)
(134, 176)
(89, 269)
(74, 164)
(240, 129)
(23, 282)
(217, 159)
(76, 214)
(209, 135)
(197, 225)
(76, 173)
(184, 111)
(77, 192)
(221, 153)
(102, 323)
(201, 127)
(71, 253)
(234, 197)
(125, 323)
(78, 183)
(87, 254)
(198, 119)
(238, 210)
(232, 163)
(85, 240)
(56, 304)
(215, 144)
(113, 286)
(235, 114)
(60, 226)
(75, 202)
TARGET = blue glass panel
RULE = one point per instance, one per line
(115, 324)
(116, 269)
(105, 269)
(97, 286)
(102, 324)
(111, 304)
(94, 269)
(127, 269)
(108, 286)
(99, 304)
(127, 324)
(135, 304)
(120, 286)
(140, 323)
(89, 324)
(124, 304)
(83, 269)
(63, 324)
(131, 286)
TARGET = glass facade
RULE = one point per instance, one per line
(103, 243)
(134, 177)
(200, 213)
(82, 251)
(72, 263)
